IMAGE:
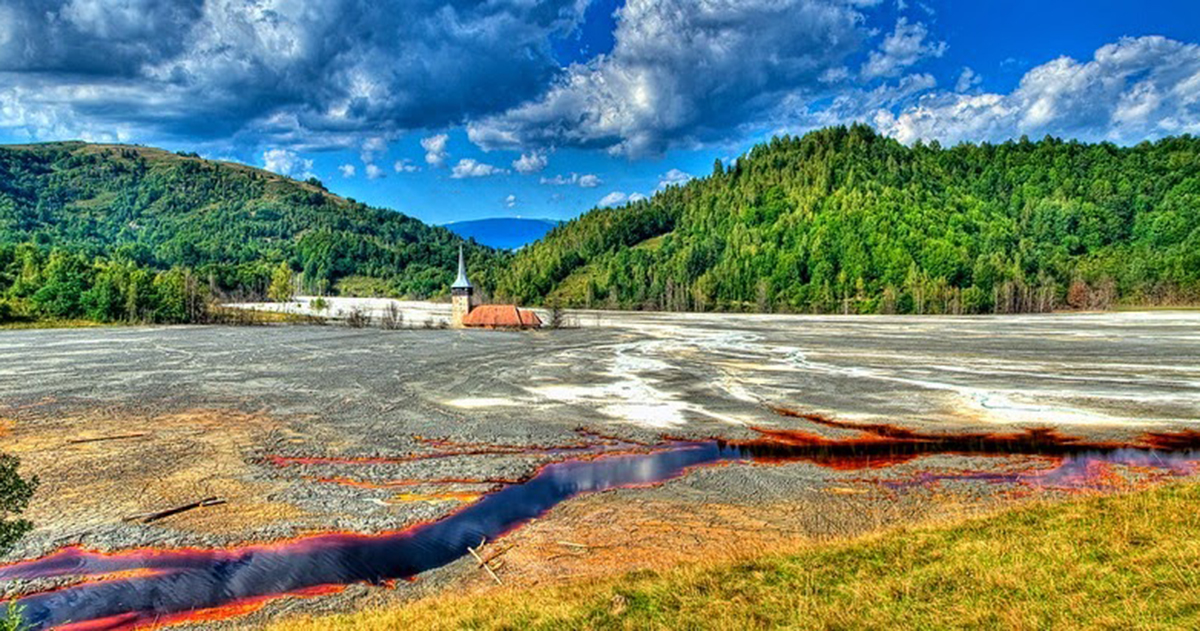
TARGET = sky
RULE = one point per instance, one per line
(449, 111)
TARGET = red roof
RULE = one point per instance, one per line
(502, 316)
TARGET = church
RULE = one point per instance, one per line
(464, 314)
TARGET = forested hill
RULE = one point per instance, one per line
(231, 224)
(845, 220)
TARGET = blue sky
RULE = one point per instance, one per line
(461, 110)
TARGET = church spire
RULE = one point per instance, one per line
(461, 282)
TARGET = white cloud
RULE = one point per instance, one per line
(347, 170)
(587, 180)
(530, 163)
(681, 73)
(373, 172)
(1129, 91)
(612, 199)
(617, 198)
(901, 48)
(435, 149)
(405, 166)
(372, 147)
(967, 80)
(672, 178)
(510, 201)
(289, 163)
(469, 168)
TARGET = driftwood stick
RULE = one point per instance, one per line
(147, 518)
(80, 441)
(572, 545)
(483, 564)
(498, 553)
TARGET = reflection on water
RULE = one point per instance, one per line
(156, 586)
(199, 579)
(1089, 469)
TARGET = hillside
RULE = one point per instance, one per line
(845, 220)
(505, 233)
(229, 224)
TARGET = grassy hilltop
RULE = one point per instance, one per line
(846, 220)
(106, 222)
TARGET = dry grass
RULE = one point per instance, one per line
(51, 324)
(1120, 562)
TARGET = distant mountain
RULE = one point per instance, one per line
(846, 220)
(503, 233)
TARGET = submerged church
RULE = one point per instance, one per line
(465, 314)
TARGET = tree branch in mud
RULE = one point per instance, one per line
(484, 564)
(147, 518)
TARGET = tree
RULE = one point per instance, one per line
(281, 289)
(15, 493)
(66, 279)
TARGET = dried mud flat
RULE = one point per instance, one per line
(305, 430)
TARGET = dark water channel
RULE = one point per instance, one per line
(139, 587)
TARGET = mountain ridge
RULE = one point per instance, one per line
(165, 209)
(846, 220)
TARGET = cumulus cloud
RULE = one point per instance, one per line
(586, 180)
(510, 201)
(901, 48)
(682, 72)
(469, 168)
(530, 162)
(374, 172)
(298, 72)
(617, 198)
(347, 170)
(1130, 90)
(435, 149)
(405, 166)
(967, 80)
(289, 163)
(674, 177)
(372, 147)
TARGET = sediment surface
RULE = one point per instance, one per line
(306, 430)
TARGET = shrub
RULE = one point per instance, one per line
(357, 318)
(392, 318)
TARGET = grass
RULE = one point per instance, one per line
(1120, 562)
(52, 324)
(13, 619)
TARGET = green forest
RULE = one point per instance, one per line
(843, 220)
(840, 220)
(126, 233)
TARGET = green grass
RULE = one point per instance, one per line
(13, 619)
(1120, 562)
(54, 324)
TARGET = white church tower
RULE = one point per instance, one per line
(460, 294)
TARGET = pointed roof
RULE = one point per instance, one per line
(461, 282)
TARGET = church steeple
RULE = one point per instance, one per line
(460, 293)
(461, 282)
